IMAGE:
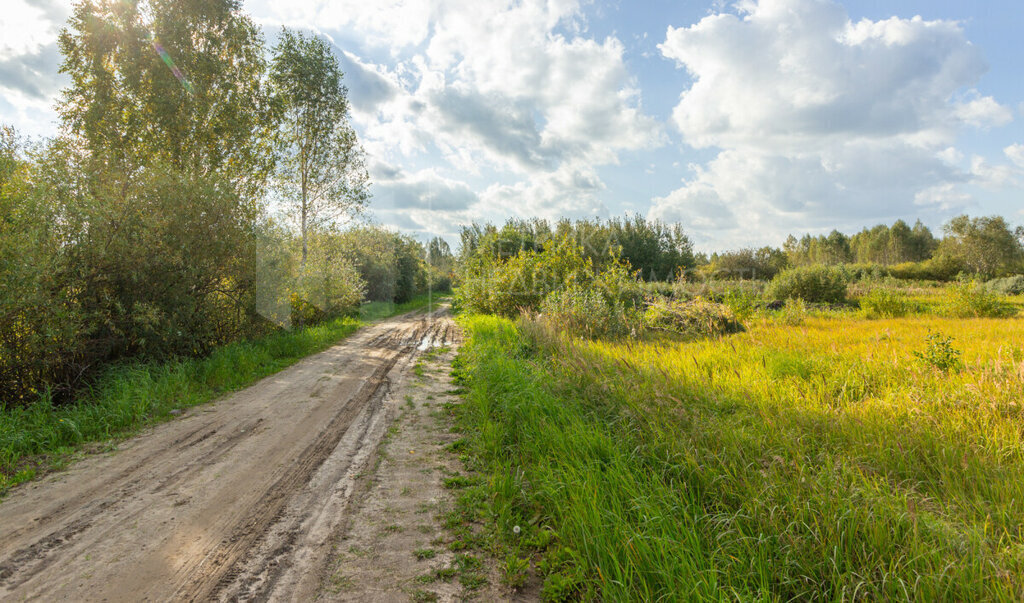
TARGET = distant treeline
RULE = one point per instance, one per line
(142, 230)
(657, 250)
(986, 247)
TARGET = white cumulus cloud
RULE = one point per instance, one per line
(821, 120)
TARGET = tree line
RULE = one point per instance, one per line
(194, 195)
(986, 247)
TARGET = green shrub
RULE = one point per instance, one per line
(1010, 285)
(522, 282)
(742, 301)
(866, 272)
(584, 312)
(971, 300)
(794, 313)
(887, 303)
(942, 268)
(940, 353)
(697, 318)
(814, 284)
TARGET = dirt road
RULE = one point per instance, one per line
(241, 499)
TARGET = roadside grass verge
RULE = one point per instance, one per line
(130, 396)
(822, 461)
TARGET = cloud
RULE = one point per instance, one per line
(821, 120)
(505, 129)
(499, 91)
(425, 189)
(1015, 152)
(571, 191)
(369, 86)
(29, 58)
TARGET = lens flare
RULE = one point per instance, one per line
(170, 63)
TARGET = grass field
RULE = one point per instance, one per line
(130, 396)
(819, 460)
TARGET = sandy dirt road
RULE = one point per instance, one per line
(240, 499)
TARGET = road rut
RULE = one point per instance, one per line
(239, 499)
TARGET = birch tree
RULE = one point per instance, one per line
(321, 173)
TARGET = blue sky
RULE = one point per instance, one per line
(744, 121)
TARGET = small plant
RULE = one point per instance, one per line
(813, 284)
(424, 554)
(458, 482)
(940, 353)
(887, 303)
(424, 596)
(514, 571)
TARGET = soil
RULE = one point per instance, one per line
(291, 489)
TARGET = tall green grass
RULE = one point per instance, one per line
(821, 461)
(129, 396)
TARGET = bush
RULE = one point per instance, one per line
(794, 313)
(506, 287)
(697, 318)
(585, 312)
(1010, 285)
(971, 300)
(866, 272)
(940, 353)
(742, 301)
(329, 287)
(942, 268)
(814, 284)
(886, 303)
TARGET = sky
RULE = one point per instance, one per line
(742, 120)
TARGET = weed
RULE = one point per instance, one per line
(940, 353)
(793, 313)
(423, 554)
(424, 596)
(515, 571)
(886, 303)
(971, 300)
(457, 482)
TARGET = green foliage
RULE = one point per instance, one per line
(515, 571)
(828, 250)
(696, 318)
(392, 265)
(969, 299)
(747, 264)
(793, 313)
(940, 353)
(813, 284)
(656, 250)
(985, 245)
(866, 272)
(896, 244)
(940, 268)
(328, 287)
(887, 303)
(1010, 285)
(321, 170)
(585, 312)
(742, 301)
(129, 109)
(506, 287)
